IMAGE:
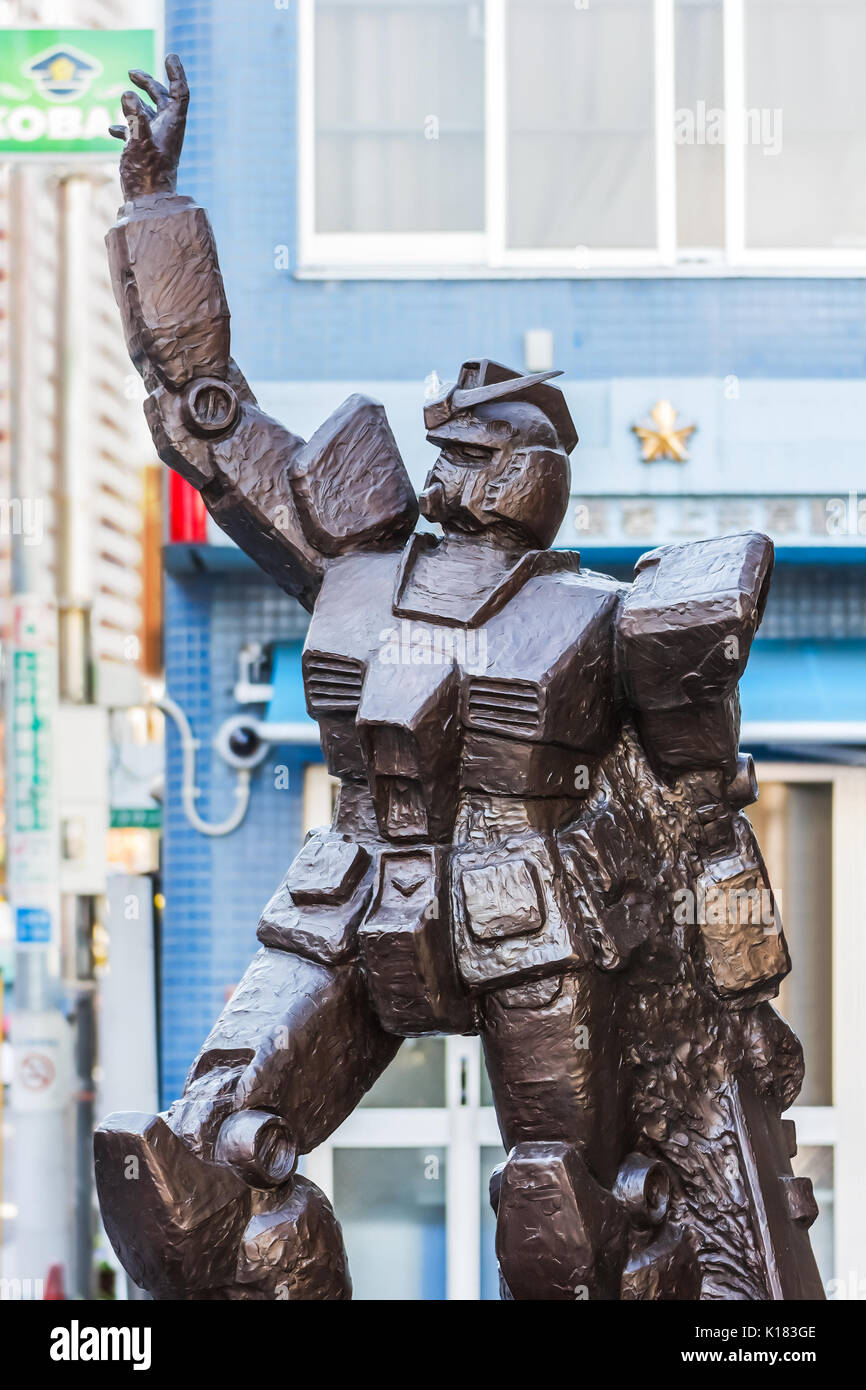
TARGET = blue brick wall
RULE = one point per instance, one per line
(215, 888)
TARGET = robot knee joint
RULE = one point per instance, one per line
(559, 1234)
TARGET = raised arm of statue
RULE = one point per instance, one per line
(291, 506)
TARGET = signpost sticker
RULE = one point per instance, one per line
(37, 1071)
(41, 1044)
(33, 852)
(33, 926)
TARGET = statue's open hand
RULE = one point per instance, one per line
(153, 137)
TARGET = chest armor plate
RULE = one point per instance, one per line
(521, 705)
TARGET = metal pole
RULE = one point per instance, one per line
(75, 550)
(39, 1030)
(76, 685)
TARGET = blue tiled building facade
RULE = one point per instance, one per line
(768, 363)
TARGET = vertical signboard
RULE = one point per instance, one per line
(33, 835)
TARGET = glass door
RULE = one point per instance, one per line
(408, 1175)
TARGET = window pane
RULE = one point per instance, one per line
(415, 1078)
(805, 187)
(399, 116)
(817, 1164)
(391, 1206)
(486, 1088)
(489, 1267)
(581, 158)
(699, 124)
(793, 823)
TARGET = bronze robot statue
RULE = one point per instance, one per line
(538, 838)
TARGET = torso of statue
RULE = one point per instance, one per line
(429, 696)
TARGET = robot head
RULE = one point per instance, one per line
(503, 466)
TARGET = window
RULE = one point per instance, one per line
(810, 191)
(580, 112)
(320, 795)
(807, 821)
(793, 820)
(399, 117)
(557, 136)
(794, 825)
(700, 158)
(392, 1211)
(408, 1173)
(397, 134)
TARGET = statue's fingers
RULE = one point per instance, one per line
(135, 112)
(155, 90)
(177, 83)
(118, 131)
(149, 111)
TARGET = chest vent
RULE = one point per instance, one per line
(504, 707)
(333, 684)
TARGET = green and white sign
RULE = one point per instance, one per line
(33, 838)
(60, 89)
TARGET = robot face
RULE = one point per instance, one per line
(502, 470)
(461, 487)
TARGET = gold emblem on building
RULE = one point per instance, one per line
(660, 438)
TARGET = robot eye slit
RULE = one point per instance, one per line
(463, 454)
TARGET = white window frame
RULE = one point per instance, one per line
(358, 249)
(484, 253)
(842, 1125)
(462, 1127)
(738, 256)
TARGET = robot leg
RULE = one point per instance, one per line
(203, 1202)
(578, 1217)
(550, 1048)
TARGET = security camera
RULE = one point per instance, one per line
(239, 742)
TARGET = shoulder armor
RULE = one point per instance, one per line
(350, 484)
(684, 633)
(686, 626)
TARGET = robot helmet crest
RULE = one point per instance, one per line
(505, 440)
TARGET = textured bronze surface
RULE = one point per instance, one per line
(538, 838)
